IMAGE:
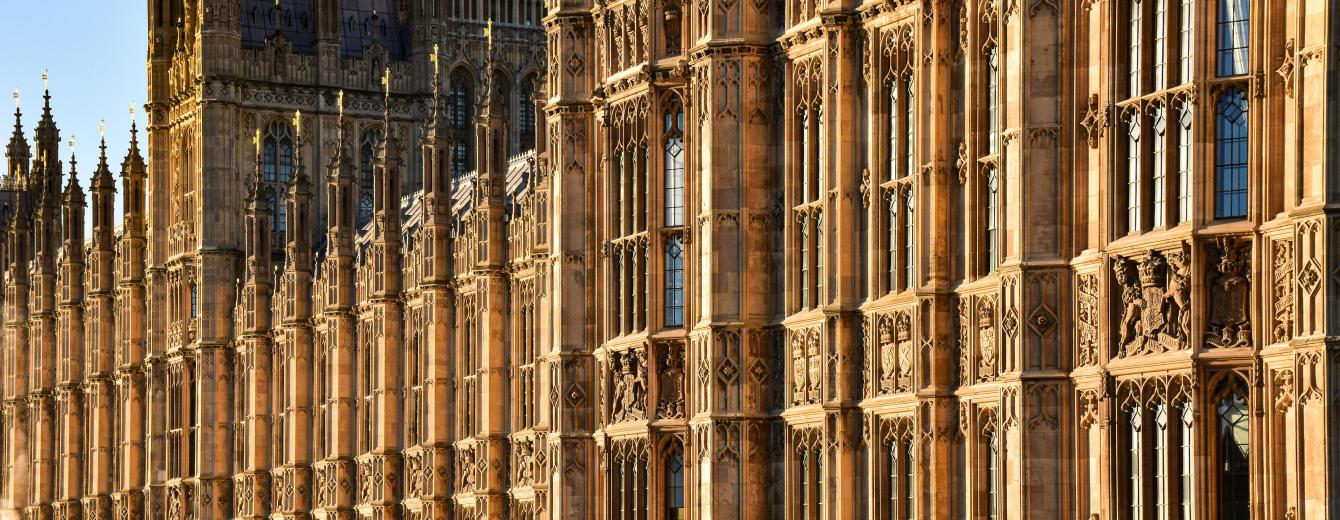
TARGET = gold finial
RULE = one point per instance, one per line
(339, 100)
(256, 140)
(386, 81)
(102, 128)
(132, 109)
(71, 145)
(46, 83)
(434, 58)
(16, 98)
(488, 32)
(297, 122)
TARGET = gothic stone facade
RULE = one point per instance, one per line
(689, 259)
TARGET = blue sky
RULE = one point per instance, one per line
(95, 52)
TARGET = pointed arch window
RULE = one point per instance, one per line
(674, 163)
(461, 116)
(1233, 454)
(525, 103)
(991, 487)
(992, 100)
(276, 170)
(1230, 154)
(673, 475)
(367, 156)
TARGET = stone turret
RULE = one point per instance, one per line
(130, 340)
(70, 350)
(255, 348)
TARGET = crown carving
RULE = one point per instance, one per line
(1153, 271)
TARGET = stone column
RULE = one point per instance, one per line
(293, 478)
(131, 336)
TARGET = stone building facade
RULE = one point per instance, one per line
(892, 259)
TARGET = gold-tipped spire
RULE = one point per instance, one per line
(256, 141)
(102, 128)
(386, 82)
(71, 145)
(46, 80)
(16, 98)
(297, 122)
(339, 100)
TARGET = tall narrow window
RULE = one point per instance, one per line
(821, 153)
(1185, 461)
(1233, 462)
(992, 476)
(1160, 456)
(1135, 27)
(367, 154)
(895, 144)
(674, 282)
(910, 476)
(1135, 463)
(1133, 174)
(674, 485)
(462, 117)
(1160, 167)
(992, 100)
(910, 141)
(1184, 143)
(1230, 155)
(526, 114)
(892, 251)
(276, 169)
(992, 195)
(805, 234)
(819, 249)
(806, 155)
(1186, 44)
(909, 241)
(1234, 22)
(1160, 44)
(674, 164)
(895, 479)
(804, 481)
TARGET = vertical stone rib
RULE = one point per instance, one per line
(255, 356)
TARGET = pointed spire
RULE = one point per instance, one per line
(435, 117)
(134, 162)
(17, 151)
(386, 104)
(47, 133)
(102, 177)
(74, 193)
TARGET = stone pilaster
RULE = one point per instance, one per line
(571, 386)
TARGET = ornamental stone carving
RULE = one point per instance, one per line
(629, 370)
(670, 404)
(1230, 298)
(1155, 303)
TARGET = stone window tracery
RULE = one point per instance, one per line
(368, 148)
(460, 102)
(1230, 154)
(276, 170)
(1233, 456)
(899, 470)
